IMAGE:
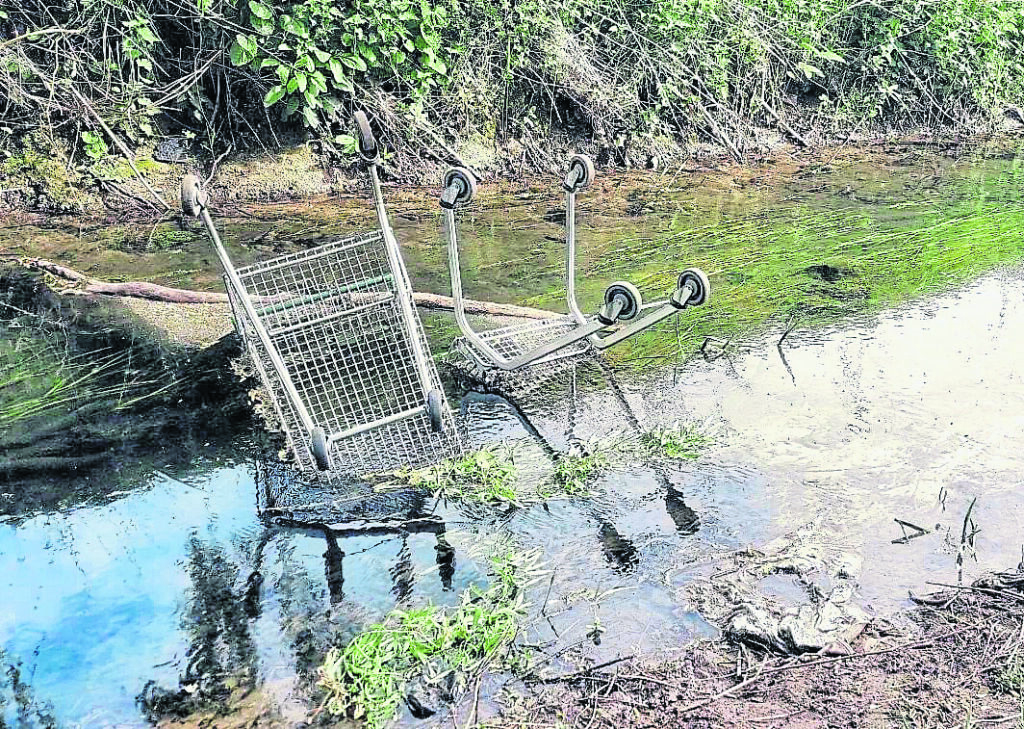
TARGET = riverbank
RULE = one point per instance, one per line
(300, 175)
(954, 660)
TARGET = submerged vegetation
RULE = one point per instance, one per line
(680, 441)
(486, 475)
(574, 472)
(90, 79)
(440, 649)
(490, 476)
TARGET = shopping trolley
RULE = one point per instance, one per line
(334, 335)
(523, 347)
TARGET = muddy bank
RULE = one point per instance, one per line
(294, 173)
(90, 388)
(954, 660)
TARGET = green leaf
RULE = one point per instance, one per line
(239, 56)
(260, 10)
(268, 63)
(147, 35)
(263, 27)
(293, 85)
(309, 116)
(337, 69)
(354, 62)
(368, 53)
(300, 78)
(273, 96)
(321, 56)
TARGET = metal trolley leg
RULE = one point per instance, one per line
(692, 287)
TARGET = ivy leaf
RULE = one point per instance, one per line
(273, 96)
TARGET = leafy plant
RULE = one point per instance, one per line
(95, 146)
(485, 475)
(681, 441)
(574, 472)
(319, 51)
(368, 678)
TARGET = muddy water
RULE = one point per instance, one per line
(883, 410)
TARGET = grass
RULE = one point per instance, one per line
(680, 441)
(441, 647)
(488, 475)
(39, 377)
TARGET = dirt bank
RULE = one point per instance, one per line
(956, 659)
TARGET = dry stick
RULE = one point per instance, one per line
(783, 123)
(32, 35)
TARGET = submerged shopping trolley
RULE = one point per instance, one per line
(528, 348)
(334, 335)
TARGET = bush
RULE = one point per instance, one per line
(217, 68)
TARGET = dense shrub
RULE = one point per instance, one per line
(243, 70)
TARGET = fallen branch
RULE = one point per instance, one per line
(86, 285)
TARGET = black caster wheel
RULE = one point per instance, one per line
(192, 197)
(584, 169)
(628, 292)
(365, 140)
(698, 282)
(435, 410)
(318, 446)
(466, 183)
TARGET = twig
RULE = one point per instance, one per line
(904, 525)
(216, 162)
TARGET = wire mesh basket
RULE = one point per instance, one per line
(334, 316)
(334, 336)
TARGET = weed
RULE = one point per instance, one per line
(487, 475)
(443, 647)
(1011, 679)
(574, 472)
(681, 441)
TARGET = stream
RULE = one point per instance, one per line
(907, 407)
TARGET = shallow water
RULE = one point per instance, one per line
(883, 410)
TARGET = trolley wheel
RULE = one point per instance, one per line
(366, 143)
(318, 446)
(585, 172)
(435, 410)
(467, 186)
(192, 197)
(698, 281)
(634, 302)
